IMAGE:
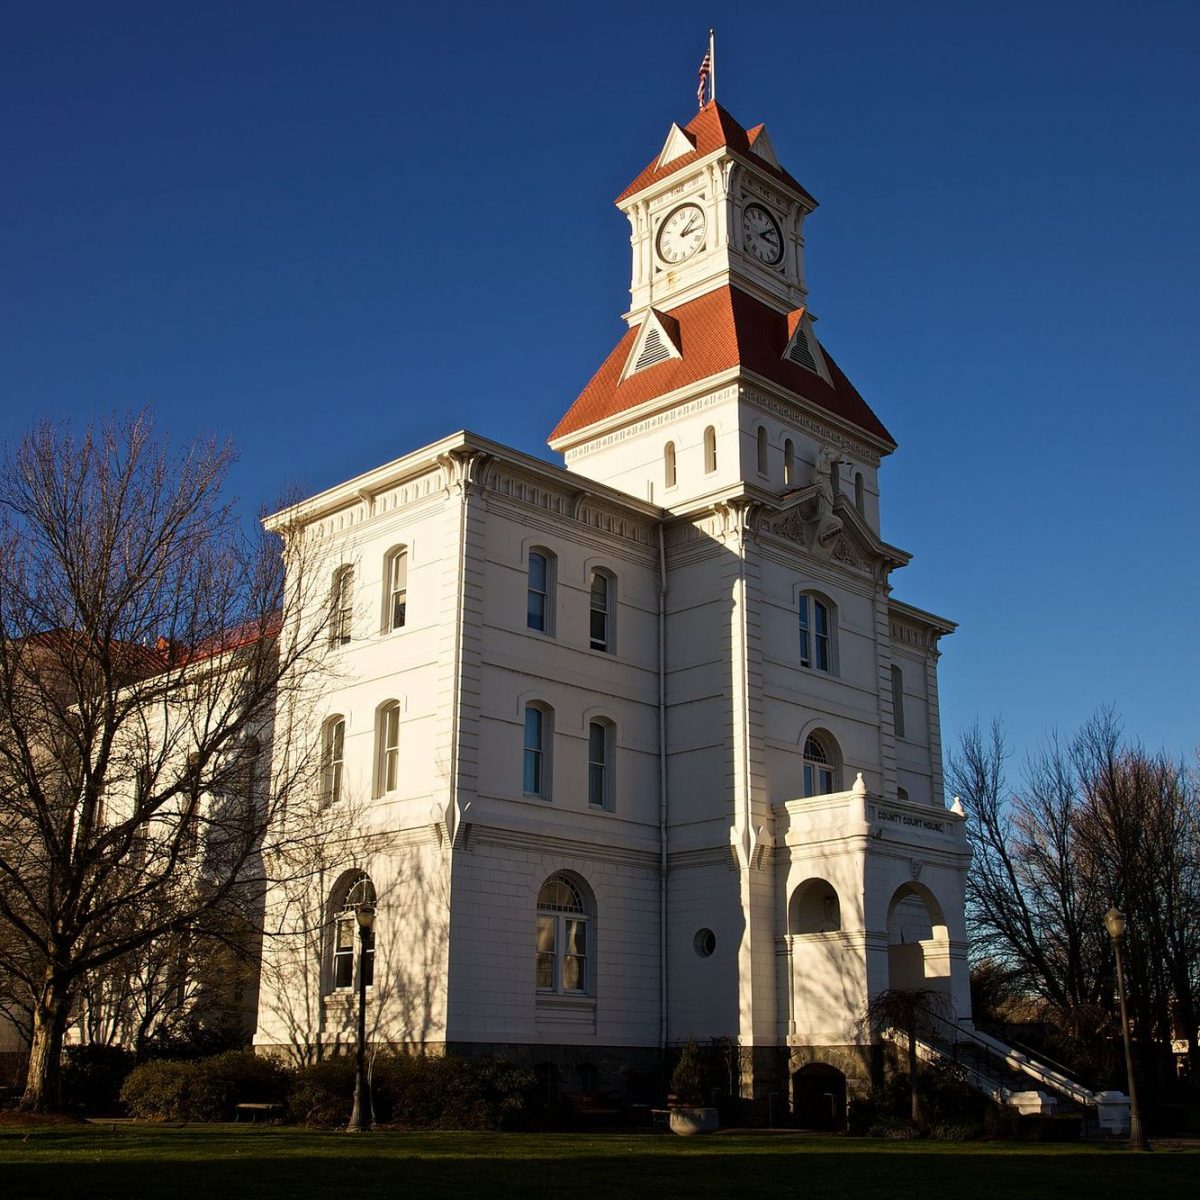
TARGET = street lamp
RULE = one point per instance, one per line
(1114, 922)
(360, 1116)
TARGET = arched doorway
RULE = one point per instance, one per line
(918, 940)
(819, 1098)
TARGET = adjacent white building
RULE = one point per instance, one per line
(641, 747)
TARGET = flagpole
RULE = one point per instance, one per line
(712, 66)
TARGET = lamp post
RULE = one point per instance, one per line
(1114, 922)
(360, 1116)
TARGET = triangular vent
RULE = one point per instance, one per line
(800, 352)
(657, 340)
(654, 350)
(678, 144)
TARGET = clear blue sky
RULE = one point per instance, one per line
(336, 231)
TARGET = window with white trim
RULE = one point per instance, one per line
(539, 730)
(710, 450)
(601, 740)
(789, 463)
(346, 948)
(760, 439)
(341, 618)
(333, 749)
(539, 606)
(821, 769)
(600, 621)
(395, 580)
(817, 620)
(562, 954)
(669, 472)
(387, 748)
(860, 492)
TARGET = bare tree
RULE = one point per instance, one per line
(151, 651)
(1092, 822)
(917, 1013)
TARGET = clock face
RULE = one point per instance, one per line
(681, 234)
(761, 234)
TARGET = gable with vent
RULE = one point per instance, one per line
(802, 348)
(676, 146)
(657, 341)
(762, 146)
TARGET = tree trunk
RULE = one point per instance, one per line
(912, 1072)
(43, 1084)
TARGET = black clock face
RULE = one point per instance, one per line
(761, 234)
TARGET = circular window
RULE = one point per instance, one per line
(705, 942)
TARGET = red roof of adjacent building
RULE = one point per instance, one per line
(711, 129)
(720, 330)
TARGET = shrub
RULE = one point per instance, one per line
(689, 1080)
(92, 1075)
(207, 1089)
(895, 1129)
(322, 1093)
(1033, 1127)
(862, 1113)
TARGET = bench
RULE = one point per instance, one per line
(254, 1111)
(586, 1106)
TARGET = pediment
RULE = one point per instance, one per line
(841, 535)
(657, 342)
(761, 145)
(678, 144)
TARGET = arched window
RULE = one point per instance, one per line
(898, 701)
(539, 730)
(333, 747)
(539, 608)
(814, 908)
(341, 604)
(821, 768)
(395, 584)
(761, 449)
(860, 497)
(349, 943)
(789, 463)
(601, 738)
(387, 748)
(602, 603)
(563, 942)
(902, 795)
(817, 632)
(710, 450)
(669, 475)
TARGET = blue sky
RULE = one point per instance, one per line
(335, 232)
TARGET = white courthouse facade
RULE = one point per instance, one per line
(642, 747)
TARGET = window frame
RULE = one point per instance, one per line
(333, 758)
(789, 463)
(608, 612)
(341, 606)
(823, 766)
(546, 592)
(387, 748)
(762, 451)
(670, 466)
(344, 959)
(563, 920)
(540, 755)
(396, 556)
(811, 638)
(600, 770)
(898, 722)
(710, 449)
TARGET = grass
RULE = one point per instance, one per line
(130, 1161)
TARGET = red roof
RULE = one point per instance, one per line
(711, 129)
(720, 330)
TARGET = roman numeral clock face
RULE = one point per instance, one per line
(681, 234)
(761, 234)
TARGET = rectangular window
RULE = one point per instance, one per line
(398, 590)
(545, 953)
(575, 955)
(805, 653)
(343, 606)
(534, 774)
(538, 592)
(598, 765)
(821, 625)
(391, 749)
(343, 951)
(599, 621)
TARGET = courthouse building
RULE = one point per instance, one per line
(643, 746)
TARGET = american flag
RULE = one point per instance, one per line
(705, 68)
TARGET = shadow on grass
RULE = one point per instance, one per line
(272, 1165)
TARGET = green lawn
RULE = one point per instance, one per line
(226, 1162)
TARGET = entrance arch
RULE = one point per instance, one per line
(819, 1098)
(918, 940)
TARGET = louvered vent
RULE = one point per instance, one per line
(654, 350)
(799, 353)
